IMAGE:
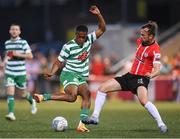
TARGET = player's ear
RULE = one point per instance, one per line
(151, 36)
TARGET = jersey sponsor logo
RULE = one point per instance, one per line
(139, 59)
(83, 56)
(9, 81)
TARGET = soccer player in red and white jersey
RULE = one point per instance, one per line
(146, 66)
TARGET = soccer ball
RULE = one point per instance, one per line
(59, 123)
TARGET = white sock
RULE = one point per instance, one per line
(154, 113)
(99, 102)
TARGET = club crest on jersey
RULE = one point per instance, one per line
(83, 56)
(145, 54)
(140, 81)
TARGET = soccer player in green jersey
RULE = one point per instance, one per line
(17, 51)
(75, 58)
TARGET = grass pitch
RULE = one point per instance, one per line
(119, 119)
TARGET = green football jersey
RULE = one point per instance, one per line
(16, 66)
(76, 57)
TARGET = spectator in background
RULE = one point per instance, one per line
(125, 68)
(43, 63)
(178, 90)
(96, 48)
(51, 58)
(176, 75)
(114, 58)
(97, 66)
(1, 68)
(176, 64)
(107, 65)
(2, 91)
(33, 71)
(166, 68)
(54, 82)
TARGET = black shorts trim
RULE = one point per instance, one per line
(130, 82)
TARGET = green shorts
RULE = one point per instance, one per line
(67, 78)
(18, 81)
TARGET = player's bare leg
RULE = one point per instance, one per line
(108, 86)
(69, 96)
(85, 106)
(26, 95)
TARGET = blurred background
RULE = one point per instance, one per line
(48, 24)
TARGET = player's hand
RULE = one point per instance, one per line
(48, 76)
(93, 9)
(16, 54)
(148, 75)
(9, 54)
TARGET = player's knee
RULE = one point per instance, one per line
(143, 102)
(72, 98)
(102, 88)
(86, 96)
(10, 94)
(86, 99)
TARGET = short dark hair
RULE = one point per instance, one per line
(152, 27)
(81, 28)
(15, 24)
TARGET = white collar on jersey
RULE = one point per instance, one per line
(15, 39)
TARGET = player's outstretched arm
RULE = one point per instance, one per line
(57, 65)
(155, 72)
(102, 25)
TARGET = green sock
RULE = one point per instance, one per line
(28, 97)
(10, 101)
(46, 96)
(84, 113)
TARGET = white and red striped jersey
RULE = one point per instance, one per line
(145, 57)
